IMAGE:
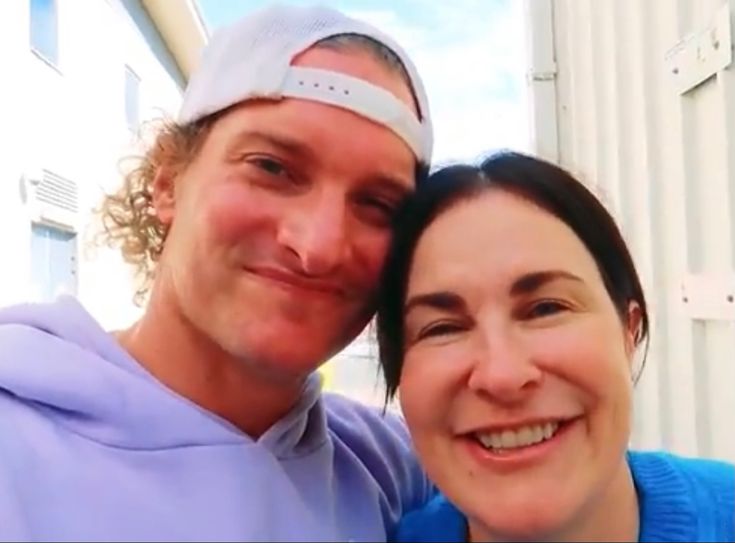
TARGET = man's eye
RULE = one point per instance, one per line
(269, 165)
(387, 208)
(376, 210)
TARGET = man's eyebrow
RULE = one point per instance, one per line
(442, 300)
(281, 142)
(534, 281)
(392, 184)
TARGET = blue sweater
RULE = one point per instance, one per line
(680, 499)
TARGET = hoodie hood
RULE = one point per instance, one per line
(58, 358)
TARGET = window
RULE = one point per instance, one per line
(44, 30)
(53, 262)
(132, 98)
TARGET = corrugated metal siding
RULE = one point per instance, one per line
(664, 162)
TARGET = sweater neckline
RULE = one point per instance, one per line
(667, 511)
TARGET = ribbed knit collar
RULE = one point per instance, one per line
(668, 511)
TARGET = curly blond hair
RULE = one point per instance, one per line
(128, 219)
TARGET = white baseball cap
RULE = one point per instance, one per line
(252, 59)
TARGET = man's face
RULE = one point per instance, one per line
(280, 225)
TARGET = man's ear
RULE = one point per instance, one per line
(164, 195)
(633, 328)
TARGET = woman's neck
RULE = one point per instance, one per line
(612, 516)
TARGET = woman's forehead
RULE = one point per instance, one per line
(497, 235)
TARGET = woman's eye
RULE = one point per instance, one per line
(439, 329)
(546, 308)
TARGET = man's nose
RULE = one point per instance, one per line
(317, 233)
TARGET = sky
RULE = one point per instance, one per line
(471, 54)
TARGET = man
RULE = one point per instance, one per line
(260, 221)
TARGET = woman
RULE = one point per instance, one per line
(511, 317)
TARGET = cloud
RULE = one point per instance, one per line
(385, 19)
(471, 56)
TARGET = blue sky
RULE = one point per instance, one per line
(469, 52)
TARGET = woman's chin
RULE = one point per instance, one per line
(532, 522)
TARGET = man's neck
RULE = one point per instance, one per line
(186, 361)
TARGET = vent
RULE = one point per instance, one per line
(58, 192)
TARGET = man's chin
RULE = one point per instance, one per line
(289, 356)
(297, 347)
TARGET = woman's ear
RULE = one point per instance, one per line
(633, 328)
(164, 195)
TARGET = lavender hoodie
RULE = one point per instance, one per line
(92, 447)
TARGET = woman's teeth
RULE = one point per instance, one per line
(520, 437)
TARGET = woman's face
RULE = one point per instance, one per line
(516, 382)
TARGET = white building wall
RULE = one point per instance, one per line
(70, 119)
(13, 73)
(355, 371)
(661, 153)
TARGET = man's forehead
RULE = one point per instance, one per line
(286, 128)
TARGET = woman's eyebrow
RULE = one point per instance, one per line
(533, 281)
(444, 300)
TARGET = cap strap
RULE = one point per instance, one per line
(359, 96)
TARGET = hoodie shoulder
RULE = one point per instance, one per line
(44, 344)
(64, 320)
(62, 331)
(382, 443)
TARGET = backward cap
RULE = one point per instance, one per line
(251, 58)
